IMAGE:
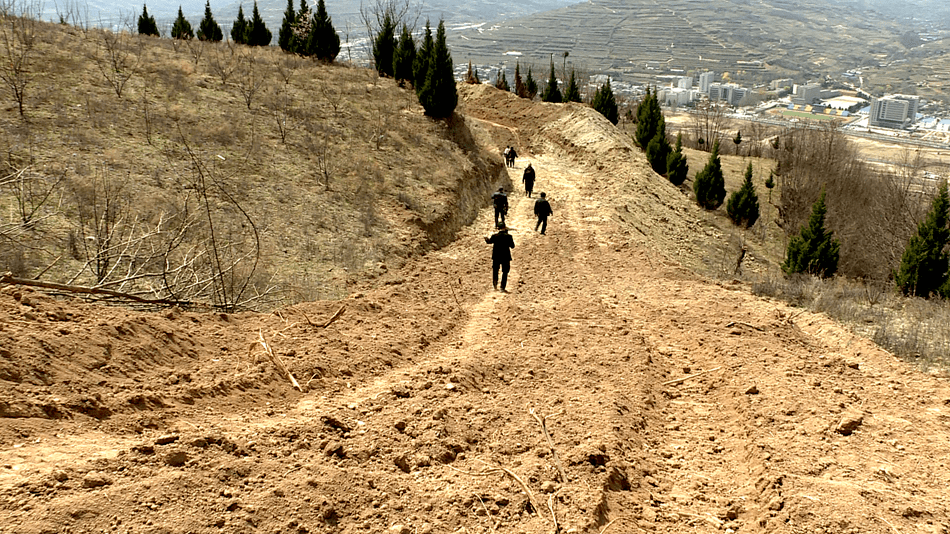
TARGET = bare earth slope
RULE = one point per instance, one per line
(672, 404)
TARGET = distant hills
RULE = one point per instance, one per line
(900, 45)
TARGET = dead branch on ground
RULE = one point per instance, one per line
(544, 428)
(277, 361)
(491, 470)
(685, 378)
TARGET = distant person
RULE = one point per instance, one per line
(507, 154)
(500, 200)
(502, 243)
(528, 179)
(511, 156)
(542, 208)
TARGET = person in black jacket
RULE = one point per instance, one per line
(528, 179)
(542, 209)
(500, 201)
(502, 243)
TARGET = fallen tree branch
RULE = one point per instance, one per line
(547, 436)
(335, 316)
(277, 361)
(491, 470)
(744, 324)
(8, 278)
(685, 378)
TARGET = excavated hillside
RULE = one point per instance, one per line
(611, 390)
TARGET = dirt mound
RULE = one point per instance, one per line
(610, 390)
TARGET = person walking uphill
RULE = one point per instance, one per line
(500, 201)
(502, 243)
(528, 180)
(542, 208)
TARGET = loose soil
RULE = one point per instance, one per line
(672, 403)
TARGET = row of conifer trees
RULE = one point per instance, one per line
(251, 32)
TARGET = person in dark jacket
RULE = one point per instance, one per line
(510, 160)
(502, 243)
(528, 179)
(542, 209)
(500, 200)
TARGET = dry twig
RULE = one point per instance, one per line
(744, 324)
(547, 436)
(685, 378)
(490, 470)
(277, 361)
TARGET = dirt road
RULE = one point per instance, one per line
(610, 390)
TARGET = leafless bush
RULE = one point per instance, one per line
(284, 112)
(223, 60)
(287, 65)
(17, 39)
(72, 13)
(116, 59)
(249, 76)
(196, 48)
(708, 124)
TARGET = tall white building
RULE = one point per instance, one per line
(894, 111)
(806, 94)
(705, 80)
(686, 82)
(730, 92)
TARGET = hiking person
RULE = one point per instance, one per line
(528, 179)
(502, 243)
(507, 154)
(542, 208)
(511, 156)
(500, 201)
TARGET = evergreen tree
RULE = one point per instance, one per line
(814, 250)
(181, 29)
(709, 184)
(404, 57)
(147, 25)
(476, 76)
(470, 75)
(658, 149)
(737, 139)
(769, 184)
(743, 205)
(502, 81)
(257, 32)
(649, 116)
(676, 167)
(239, 28)
(530, 86)
(285, 37)
(439, 95)
(572, 93)
(551, 92)
(605, 103)
(519, 83)
(384, 45)
(301, 29)
(323, 42)
(209, 30)
(924, 264)
(420, 67)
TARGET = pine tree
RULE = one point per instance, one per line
(323, 42)
(551, 92)
(658, 149)
(649, 116)
(676, 166)
(502, 82)
(476, 76)
(572, 93)
(257, 32)
(439, 95)
(147, 25)
(404, 57)
(420, 67)
(743, 205)
(469, 75)
(924, 263)
(384, 45)
(285, 37)
(605, 103)
(209, 30)
(769, 184)
(815, 250)
(519, 83)
(181, 29)
(530, 86)
(709, 184)
(239, 28)
(301, 29)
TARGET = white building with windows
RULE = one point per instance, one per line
(894, 111)
(705, 80)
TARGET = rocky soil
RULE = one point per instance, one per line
(612, 390)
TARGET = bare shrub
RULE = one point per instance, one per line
(708, 124)
(17, 39)
(116, 59)
(223, 60)
(249, 78)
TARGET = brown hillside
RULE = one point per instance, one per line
(611, 390)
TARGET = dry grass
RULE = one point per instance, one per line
(329, 164)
